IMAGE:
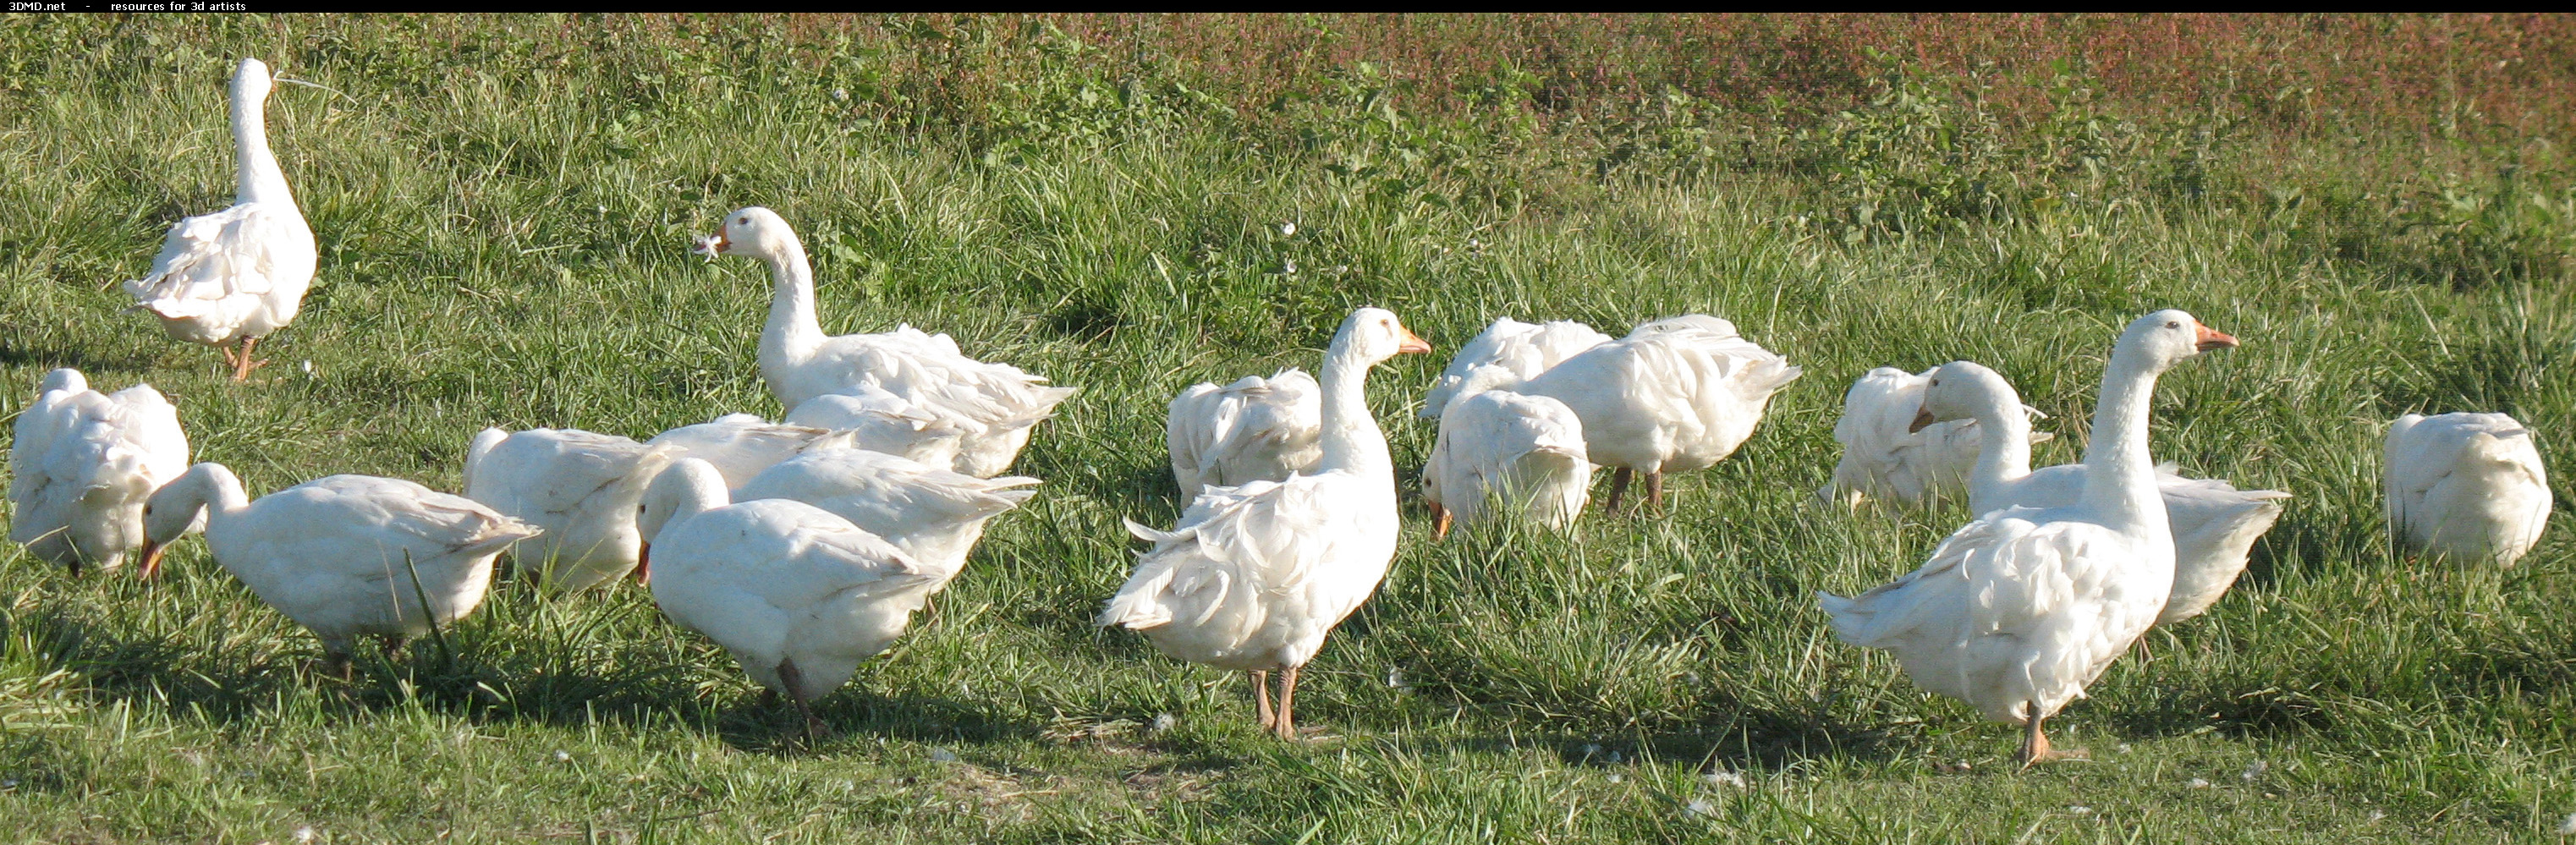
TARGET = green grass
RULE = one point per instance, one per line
(505, 242)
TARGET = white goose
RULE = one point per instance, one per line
(82, 464)
(1255, 429)
(931, 513)
(2214, 524)
(1255, 576)
(741, 445)
(344, 555)
(1887, 457)
(879, 421)
(798, 595)
(579, 487)
(2020, 610)
(1494, 443)
(800, 363)
(2466, 484)
(1524, 349)
(234, 276)
(1675, 395)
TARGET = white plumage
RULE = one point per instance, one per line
(1255, 429)
(2017, 612)
(800, 363)
(83, 462)
(798, 595)
(579, 487)
(345, 555)
(2468, 485)
(2214, 524)
(234, 276)
(1522, 452)
(932, 513)
(1255, 576)
(741, 445)
(879, 421)
(1887, 457)
(1523, 349)
(1675, 395)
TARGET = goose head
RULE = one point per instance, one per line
(1958, 390)
(753, 232)
(678, 491)
(1373, 335)
(178, 509)
(2169, 336)
(251, 82)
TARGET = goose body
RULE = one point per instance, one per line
(932, 513)
(2214, 524)
(1254, 576)
(81, 465)
(797, 595)
(1886, 457)
(340, 554)
(1500, 448)
(739, 446)
(579, 487)
(1256, 429)
(880, 421)
(1674, 395)
(1522, 349)
(234, 276)
(799, 362)
(2468, 485)
(2017, 612)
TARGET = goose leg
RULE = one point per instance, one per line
(1655, 490)
(1261, 699)
(1440, 517)
(336, 662)
(1618, 485)
(794, 679)
(392, 643)
(242, 364)
(2035, 748)
(1288, 704)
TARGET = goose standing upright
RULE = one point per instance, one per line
(579, 487)
(2018, 611)
(82, 464)
(1494, 443)
(797, 595)
(2214, 524)
(1523, 349)
(344, 555)
(234, 276)
(2466, 484)
(799, 362)
(1887, 457)
(1255, 429)
(1675, 395)
(1255, 576)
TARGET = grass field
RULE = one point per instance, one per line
(2381, 208)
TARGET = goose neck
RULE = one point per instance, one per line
(2119, 475)
(2003, 449)
(260, 179)
(1351, 439)
(794, 330)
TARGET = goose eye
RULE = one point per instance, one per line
(1936, 382)
(2174, 325)
(745, 221)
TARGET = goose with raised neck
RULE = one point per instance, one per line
(344, 555)
(1254, 576)
(799, 362)
(229, 278)
(2213, 524)
(2018, 611)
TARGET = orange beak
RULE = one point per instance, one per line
(1922, 418)
(644, 564)
(2214, 339)
(152, 560)
(713, 245)
(1411, 343)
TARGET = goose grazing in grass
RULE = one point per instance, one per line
(2018, 611)
(580, 488)
(345, 555)
(82, 464)
(879, 421)
(1523, 349)
(1255, 576)
(2467, 485)
(1889, 458)
(1256, 429)
(1675, 395)
(799, 362)
(2214, 524)
(1526, 451)
(229, 278)
(932, 513)
(798, 595)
